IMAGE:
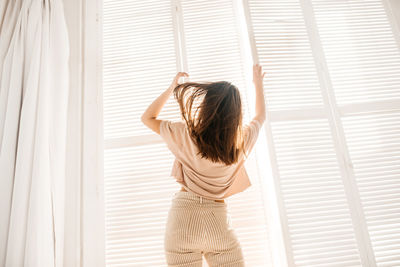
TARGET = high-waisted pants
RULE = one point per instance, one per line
(199, 226)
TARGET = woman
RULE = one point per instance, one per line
(210, 147)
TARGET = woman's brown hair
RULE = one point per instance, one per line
(217, 128)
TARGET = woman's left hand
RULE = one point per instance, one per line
(175, 82)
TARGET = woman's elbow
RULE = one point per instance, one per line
(148, 121)
(144, 119)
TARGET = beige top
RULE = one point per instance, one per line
(202, 176)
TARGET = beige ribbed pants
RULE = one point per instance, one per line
(199, 226)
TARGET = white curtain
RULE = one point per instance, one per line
(34, 52)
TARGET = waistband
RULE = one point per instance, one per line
(197, 198)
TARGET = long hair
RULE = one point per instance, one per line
(213, 114)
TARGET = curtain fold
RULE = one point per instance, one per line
(34, 52)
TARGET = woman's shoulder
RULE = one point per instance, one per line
(173, 123)
(173, 134)
(250, 132)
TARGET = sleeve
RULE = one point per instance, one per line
(250, 132)
(171, 133)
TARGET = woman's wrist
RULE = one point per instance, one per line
(171, 88)
(259, 87)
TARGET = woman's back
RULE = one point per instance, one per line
(214, 180)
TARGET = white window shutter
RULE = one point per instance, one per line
(363, 59)
(315, 215)
(373, 140)
(333, 128)
(144, 44)
(139, 62)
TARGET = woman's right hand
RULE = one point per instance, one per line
(258, 75)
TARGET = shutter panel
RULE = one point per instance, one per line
(374, 144)
(137, 200)
(283, 50)
(139, 63)
(315, 214)
(320, 227)
(364, 64)
(358, 60)
(213, 51)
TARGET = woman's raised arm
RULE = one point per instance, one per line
(258, 77)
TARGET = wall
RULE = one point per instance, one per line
(72, 249)
(84, 220)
